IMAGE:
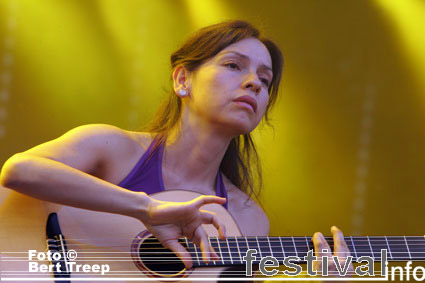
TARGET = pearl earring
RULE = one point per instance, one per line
(183, 92)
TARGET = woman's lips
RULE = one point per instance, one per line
(247, 101)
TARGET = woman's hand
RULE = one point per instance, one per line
(168, 221)
(340, 250)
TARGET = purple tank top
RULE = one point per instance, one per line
(146, 176)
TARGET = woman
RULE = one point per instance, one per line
(225, 80)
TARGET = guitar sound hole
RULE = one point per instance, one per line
(158, 259)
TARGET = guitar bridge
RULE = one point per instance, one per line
(56, 248)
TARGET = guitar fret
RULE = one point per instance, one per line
(370, 246)
(192, 251)
(283, 250)
(288, 246)
(258, 244)
(398, 248)
(219, 249)
(301, 246)
(247, 244)
(295, 247)
(196, 253)
(209, 241)
(378, 244)
(388, 245)
(234, 251)
(242, 246)
(354, 247)
(198, 256)
(407, 246)
(230, 253)
(251, 245)
(187, 244)
(226, 254)
(417, 247)
(306, 241)
(264, 248)
(239, 250)
(362, 247)
(276, 248)
(270, 246)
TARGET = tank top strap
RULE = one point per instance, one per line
(146, 175)
(221, 189)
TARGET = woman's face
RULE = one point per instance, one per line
(230, 90)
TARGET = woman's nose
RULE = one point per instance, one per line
(253, 83)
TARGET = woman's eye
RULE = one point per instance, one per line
(233, 66)
(265, 81)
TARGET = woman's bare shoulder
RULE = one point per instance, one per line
(108, 136)
(246, 212)
(121, 148)
(85, 139)
(93, 148)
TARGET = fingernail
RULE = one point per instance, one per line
(317, 235)
(216, 257)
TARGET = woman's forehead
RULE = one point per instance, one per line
(250, 48)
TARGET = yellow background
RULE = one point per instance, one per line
(347, 147)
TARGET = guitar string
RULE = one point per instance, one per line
(418, 248)
(382, 245)
(272, 240)
(224, 256)
(301, 239)
(300, 243)
(178, 259)
(175, 259)
(358, 242)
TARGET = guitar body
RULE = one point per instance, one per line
(126, 248)
(98, 238)
(23, 228)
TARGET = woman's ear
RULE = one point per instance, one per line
(181, 81)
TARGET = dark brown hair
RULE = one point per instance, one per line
(240, 162)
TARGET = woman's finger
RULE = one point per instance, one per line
(200, 236)
(321, 248)
(180, 252)
(320, 245)
(202, 200)
(340, 246)
(209, 217)
(214, 255)
(341, 250)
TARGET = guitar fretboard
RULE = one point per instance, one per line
(233, 249)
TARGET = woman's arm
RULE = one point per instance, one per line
(68, 171)
(64, 171)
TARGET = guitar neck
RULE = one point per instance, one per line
(233, 249)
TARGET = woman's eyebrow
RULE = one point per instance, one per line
(262, 66)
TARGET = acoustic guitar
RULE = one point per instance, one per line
(104, 246)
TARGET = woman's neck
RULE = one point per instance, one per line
(192, 157)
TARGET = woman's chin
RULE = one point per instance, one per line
(237, 129)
